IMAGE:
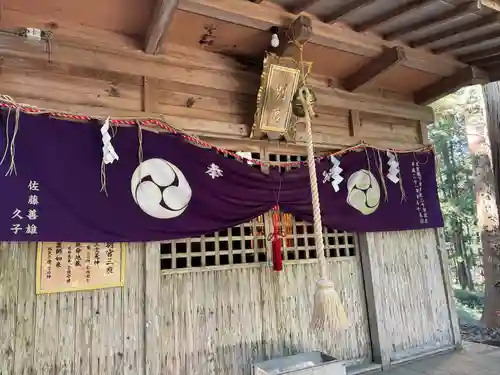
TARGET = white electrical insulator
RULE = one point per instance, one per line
(275, 41)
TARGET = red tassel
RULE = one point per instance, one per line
(277, 259)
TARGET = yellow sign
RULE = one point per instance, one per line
(72, 266)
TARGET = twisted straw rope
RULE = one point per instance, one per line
(318, 225)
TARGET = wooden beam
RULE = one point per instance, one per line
(394, 13)
(162, 17)
(189, 68)
(456, 30)
(346, 9)
(439, 19)
(487, 63)
(300, 31)
(480, 55)
(476, 39)
(264, 16)
(464, 77)
(301, 6)
(378, 65)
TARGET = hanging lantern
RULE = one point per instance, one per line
(275, 115)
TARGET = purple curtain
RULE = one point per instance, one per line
(180, 190)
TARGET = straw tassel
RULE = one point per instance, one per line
(328, 311)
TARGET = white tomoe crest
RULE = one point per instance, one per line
(160, 189)
(363, 192)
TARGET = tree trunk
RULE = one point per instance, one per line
(456, 227)
(479, 139)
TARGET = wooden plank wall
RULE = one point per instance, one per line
(208, 96)
(83, 333)
(234, 317)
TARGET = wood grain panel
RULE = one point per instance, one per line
(126, 16)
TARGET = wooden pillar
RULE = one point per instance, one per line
(445, 270)
(376, 336)
(423, 132)
(152, 342)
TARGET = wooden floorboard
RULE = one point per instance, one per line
(474, 359)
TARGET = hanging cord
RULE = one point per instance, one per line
(368, 160)
(277, 234)
(403, 194)
(7, 136)
(380, 168)
(47, 36)
(140, 154)
(103, 178)
(12, 167)
(10, 145)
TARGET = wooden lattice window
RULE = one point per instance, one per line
(242, 244)
(247, 243)
(299, 242)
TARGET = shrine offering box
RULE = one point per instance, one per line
(314, 363)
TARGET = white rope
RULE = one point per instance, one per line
(328, 311)
(304, 96)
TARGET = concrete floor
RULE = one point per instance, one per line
(474, 359)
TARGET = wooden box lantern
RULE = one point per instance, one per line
(278, 106)
(277, 112)
(279, 82)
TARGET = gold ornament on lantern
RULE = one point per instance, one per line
(278, 107)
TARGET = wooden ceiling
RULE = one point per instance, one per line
(417, 48)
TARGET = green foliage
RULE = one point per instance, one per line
(472, 300)
(455, 176)
(456, 184)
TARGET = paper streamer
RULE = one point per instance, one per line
(109, 154)
(393, 163)
(333, 174)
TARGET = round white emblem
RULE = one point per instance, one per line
(363, 192)
(160, 189)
